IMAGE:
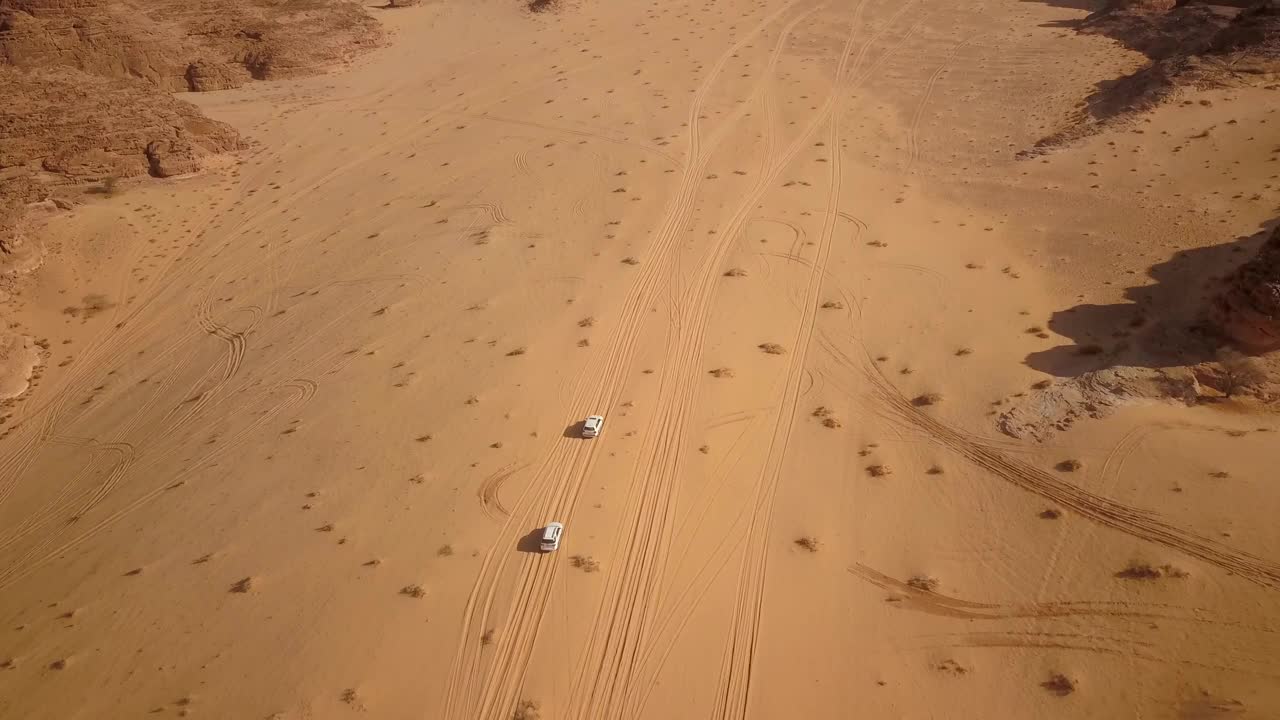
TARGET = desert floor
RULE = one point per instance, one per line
(306, 414)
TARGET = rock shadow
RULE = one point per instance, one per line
(1159, 325)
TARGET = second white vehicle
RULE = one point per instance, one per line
(591, 427)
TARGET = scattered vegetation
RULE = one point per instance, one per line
(1240, 371)
(585, 563)
(1220, 474)
(349, 696)
(486, 638)
(1059, 685)
(964, 351)
(445, 550)
(926, 399)
(628, 260)
(243, 585)
(833, 305)
(1143, 571)
(722, 372)
(808, 542)
(1050, 514)
(517, 351)
(735, 272)
(934, 470)
(772, 348)
(527, 709)
(924, 583)
(414, 591)
(1069, 465)
(878, 470)
(586, 322)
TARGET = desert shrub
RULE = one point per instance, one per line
(1240, 371)
(807, 542)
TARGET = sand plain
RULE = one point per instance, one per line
(303, 416)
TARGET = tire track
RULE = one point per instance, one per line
(511, 653)
(1138, 523)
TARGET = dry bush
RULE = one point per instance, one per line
(414, 591)
(923, 583)
(772, 348)
(1059, 685)
(821, 411)
(723, 372)
(934, 470)
(926, 399)
(1240, 371)
(349, 696)
(543, 6)
(486, 638)
(243, 585)
(808, 542)
(527, 709)
(584, 342)
(878, 470)
(586, 322)
(628, 260)
(1050, 514)
(961, 352)
(1143, 571)
(1220, 474)
(1069, 465)
(517, 351)
(585, 563)
(833, 305)
(830, 422)
(445, 551)
(735, 272)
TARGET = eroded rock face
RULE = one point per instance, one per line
(84, 84)
(1248, 308)
(87, 128)
(192, 45)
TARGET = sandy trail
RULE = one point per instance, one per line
(295, 468)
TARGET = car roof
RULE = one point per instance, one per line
(595, 418)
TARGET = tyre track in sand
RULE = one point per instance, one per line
(474, 690)
(637, 593)
(1135, 522)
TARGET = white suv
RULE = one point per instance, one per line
(551, 537)
(591, 427)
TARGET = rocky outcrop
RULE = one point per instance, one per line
(1187, 43)
(86, 128)
(1247, 310)
(1054, 406)
(85, 84)
(193, 45)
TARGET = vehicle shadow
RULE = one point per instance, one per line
(531, 542)
(575, 430)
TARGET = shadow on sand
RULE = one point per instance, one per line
(1161, 324)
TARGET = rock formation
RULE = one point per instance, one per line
(86, 83)
(1248, 308)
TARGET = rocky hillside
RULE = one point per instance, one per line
(1187, 43)
(1248, 308)
(87, 83)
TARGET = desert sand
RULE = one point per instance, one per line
(302, 415)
